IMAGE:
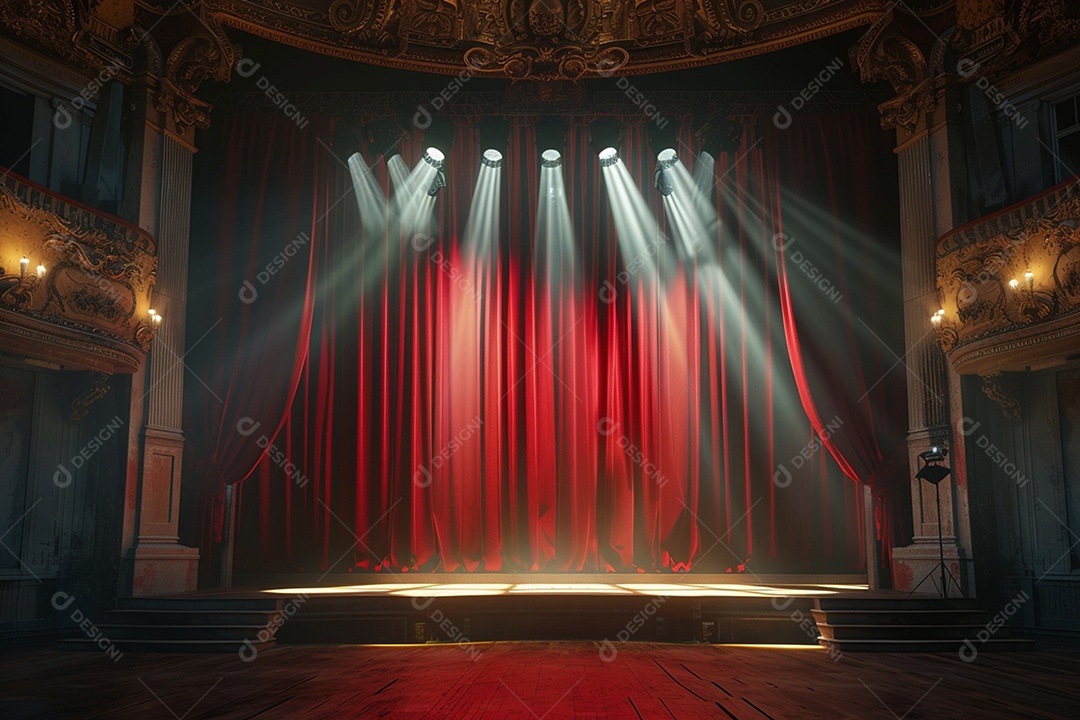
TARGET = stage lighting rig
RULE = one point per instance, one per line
(663, 138)
(720, 135)
(605, 134)
(492, 159)
(665, 160)
(494, 133)
(933, 472)
(384, 137)
(551, 158)
(440, 134)
(550, 135)
(609, 156)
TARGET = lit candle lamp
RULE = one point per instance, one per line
(23, 265)
(1014, 283)
(41, 271)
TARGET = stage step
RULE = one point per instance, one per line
(184, 625)
(907, 625)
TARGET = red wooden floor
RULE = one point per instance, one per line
(540, 681)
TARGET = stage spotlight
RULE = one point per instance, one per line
(437, 183)
(663, 138)
(721, 135)
(492, 159)
(550, 134)
(494, 133)
(608, 157)
(384, 137)
(663, 181)
(434, 157)
(440, 134)
(605, 133)
(551, 158)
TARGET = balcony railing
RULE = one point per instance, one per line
(1010, 286)
(75, 283)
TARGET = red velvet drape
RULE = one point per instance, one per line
(465, 411)
(846, 352)
(258, 236)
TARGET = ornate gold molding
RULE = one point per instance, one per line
(93, 294)
(543, 39)
(1011, 286)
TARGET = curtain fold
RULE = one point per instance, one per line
(841, 307)
(256, 249)
(463, 409)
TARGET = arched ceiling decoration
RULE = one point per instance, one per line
(545, 39)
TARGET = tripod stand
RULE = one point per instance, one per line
(934, 474)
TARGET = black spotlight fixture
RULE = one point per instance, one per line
(384, 137)
(933, 472)
(551, 138)
(665, 160)
(551, 158)
(605, 135)
(439, 134)
(494, 133)
(720, 135)
(437, 183)
(663, 138)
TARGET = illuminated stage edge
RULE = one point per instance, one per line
(414, 607)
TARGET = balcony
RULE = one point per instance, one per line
(1010, 284)
(75, 283)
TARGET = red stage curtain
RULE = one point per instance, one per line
(465, 411)
(256, 249)
(838, 235)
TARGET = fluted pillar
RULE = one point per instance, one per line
(931, 204)
(156, 562)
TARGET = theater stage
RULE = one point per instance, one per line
(615, 607)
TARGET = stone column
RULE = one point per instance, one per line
(160, 180)
(931, 204)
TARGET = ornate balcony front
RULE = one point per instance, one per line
(75, 283)
(1010, 285)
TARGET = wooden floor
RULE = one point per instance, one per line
(540, 681)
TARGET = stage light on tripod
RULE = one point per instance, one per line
(492, 158)
(551, 158)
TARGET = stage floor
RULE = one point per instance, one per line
(610, 584)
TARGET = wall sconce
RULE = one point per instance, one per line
(1031, 304)
(946, 331)
(155, 318)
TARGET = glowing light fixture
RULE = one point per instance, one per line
(608, 157)
(23, 265)
(41, 271)
(665, 160)
(492, 158)
(551, 158)
(434, 156)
